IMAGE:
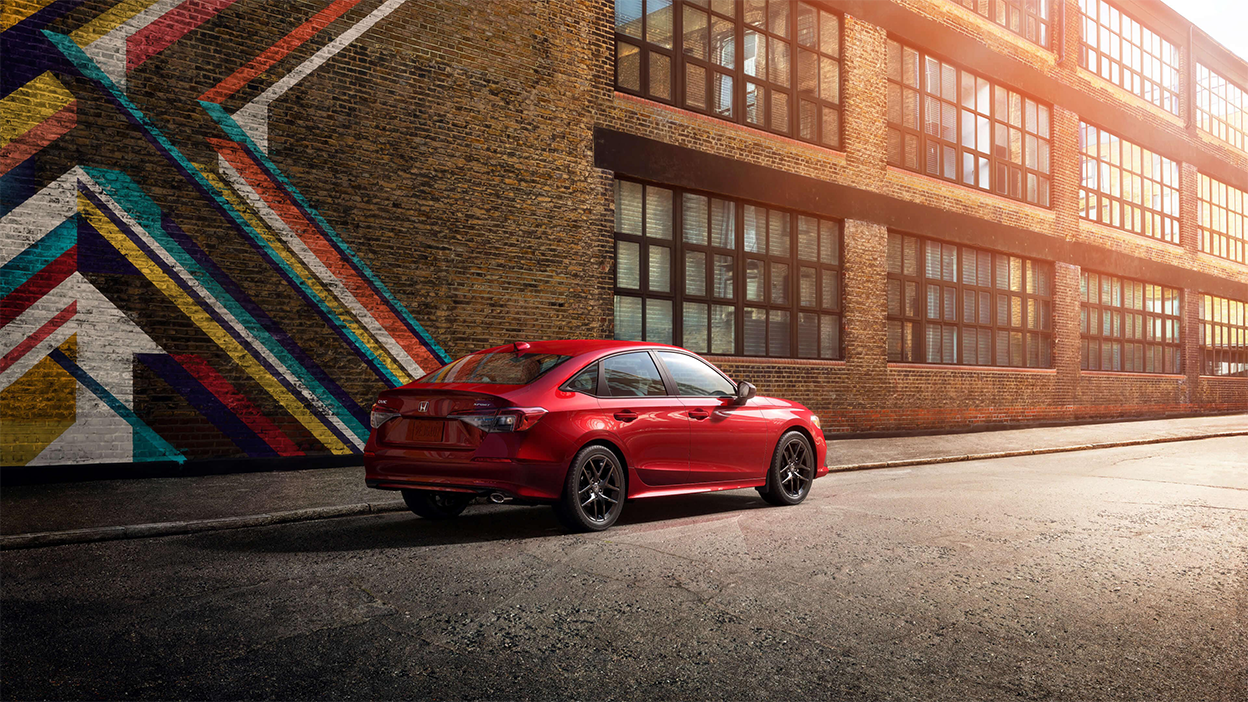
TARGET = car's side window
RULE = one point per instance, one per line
(586, 381)
(632, 375)
(694, 377)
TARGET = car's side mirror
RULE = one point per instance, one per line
(744, 392)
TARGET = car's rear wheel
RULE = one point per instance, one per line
(593, 494)
(792, 470)
(436, 504)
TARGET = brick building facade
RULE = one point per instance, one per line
(228, 224)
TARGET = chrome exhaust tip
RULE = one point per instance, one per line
(498, 498)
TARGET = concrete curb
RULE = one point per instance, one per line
(143, 531)
(1029, 452)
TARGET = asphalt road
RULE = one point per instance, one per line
(1112, 574)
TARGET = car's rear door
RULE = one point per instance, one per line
(651, 424)
(728, 441)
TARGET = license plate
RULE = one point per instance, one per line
(424, 431)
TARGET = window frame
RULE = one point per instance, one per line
(680, 59)
(1214, 352)
(1117, 69)
(1206, 80)
(999, 11)
(920, 317)
(739, 302)
(996, 161)
(1095, 315)
(1234, 238)
(1118, 203)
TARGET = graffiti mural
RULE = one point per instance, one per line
(88, 373)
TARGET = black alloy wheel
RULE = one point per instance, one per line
(792, 470)
(593, 494)
(436, 504)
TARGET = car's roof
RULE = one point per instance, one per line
(577, 347)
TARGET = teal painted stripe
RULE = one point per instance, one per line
(90, 70)
(146, 440)
(39, 254)
(236, 133)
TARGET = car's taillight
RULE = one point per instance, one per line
(508, 419)
(380, 415)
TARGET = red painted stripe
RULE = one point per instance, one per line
(238, 403)
(39, 136)
(40, 334)
(168, 28)
(323, 250)
(39, 284)
(278, 51)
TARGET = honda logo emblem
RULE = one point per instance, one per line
(423, 406)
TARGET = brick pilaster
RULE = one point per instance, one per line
(1066, 336)
(865, 98)
(866, 248)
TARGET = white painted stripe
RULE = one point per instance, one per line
(109, 51)
(41, 213)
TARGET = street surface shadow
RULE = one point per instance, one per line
(478, 524)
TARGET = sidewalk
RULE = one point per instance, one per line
(111, 509)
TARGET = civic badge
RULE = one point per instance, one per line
(423, 406)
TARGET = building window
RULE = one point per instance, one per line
(771, 64)
(1221, 107)
(955, 304)
(1223, 219)
(1127, 325)
(723, 276)
(1026, 18)
(952, 124)
(1126, 186)
(1129, 55)
(1223, 336)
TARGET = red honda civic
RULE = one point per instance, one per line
(585, 425)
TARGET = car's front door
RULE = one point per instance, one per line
(728, 441)
(651, 424)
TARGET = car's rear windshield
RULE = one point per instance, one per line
(496, 368)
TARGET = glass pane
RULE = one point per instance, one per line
(660, 269)
(723, 329)
(807, 335)
(693, 328)
(779, 61)
(627, 66)
(627, 264)
(628, 17)
(632, 375)
(779, 283)
(628, 207)
(807, 238)
(695, 24)
(778, 233)
(659, 23)
(695, 86)
(721, 95)
(829, 80)
(829, 34)
(778, 17)
(628, 318)
(723, 43)
(831, 290)
(829, 336)
(659, 321)
(658, 212)
(754, 280)
(723, 224)
(695, 273)
(694, 377)
(754, 335)
(808, 73)
(829, 242)
(755, 54)
(723, 276)
(693, 218)
(806, 284)
(807, 25)
(660, 76)
(779, 120)
(755, 229)
(778, 334)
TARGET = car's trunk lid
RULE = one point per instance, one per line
(438, 417)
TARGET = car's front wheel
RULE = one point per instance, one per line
(593, 494)
(435, 504)
(792, 470)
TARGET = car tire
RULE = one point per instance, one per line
(792, 470)
(594, 491)
(436, 504)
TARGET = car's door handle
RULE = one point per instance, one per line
(626, 415)
(699, 413)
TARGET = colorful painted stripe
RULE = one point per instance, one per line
(36, 138)
(38, 285)
(170, 27)
(36, 257)
(31, 105)
(163, 449)
(48, 329)
(239, 405)
(223, 90)
(109, 20)
(15, 11)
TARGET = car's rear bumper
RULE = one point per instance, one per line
(397, 469)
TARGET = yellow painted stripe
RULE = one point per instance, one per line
(312, 281)
(205, 322)
(28, 106)
(14, 11)
(111, 19)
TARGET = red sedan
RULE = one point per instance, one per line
(585, 425)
